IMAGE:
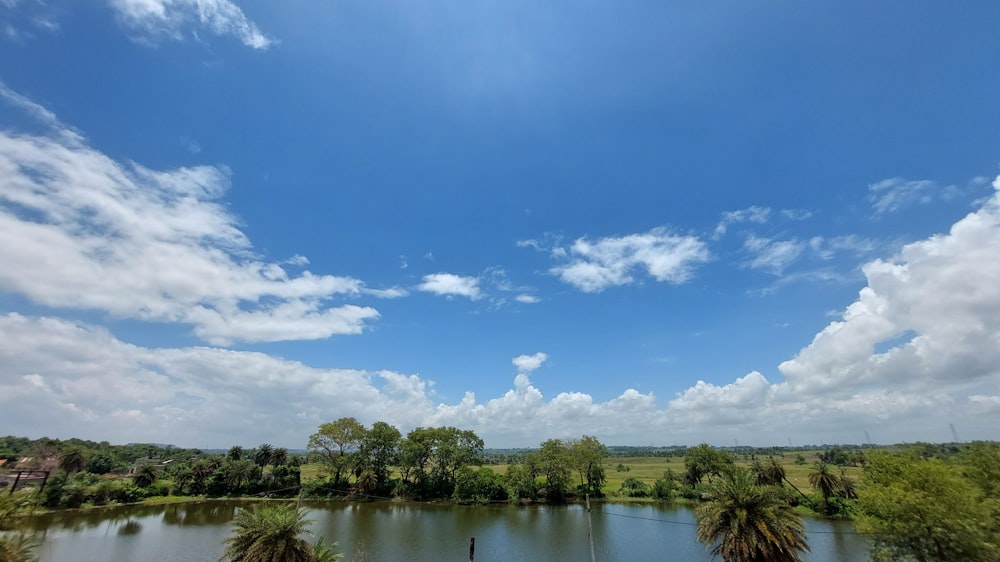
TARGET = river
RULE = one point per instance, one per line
(391, 532)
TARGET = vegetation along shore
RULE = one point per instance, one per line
(921, 502)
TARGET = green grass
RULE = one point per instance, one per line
(651, 469)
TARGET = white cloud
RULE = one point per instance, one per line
(611, 261)
(153, 19)
(390, 293)
(527, 299)
(772, 255)
(448, 284)
(215, 397)
(79, 230)
(943, 294)
(528, 363)
(890, 195)
(755, 214)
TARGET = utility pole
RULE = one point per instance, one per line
(590, 532)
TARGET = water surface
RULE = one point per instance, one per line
(390, 531)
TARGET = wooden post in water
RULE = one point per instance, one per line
(472, 549)
(590, 531)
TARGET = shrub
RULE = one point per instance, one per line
(635, 488)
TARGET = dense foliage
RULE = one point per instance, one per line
(929, 508)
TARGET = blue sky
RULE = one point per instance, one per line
(653, 222)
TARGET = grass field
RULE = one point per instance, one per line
(650, 469)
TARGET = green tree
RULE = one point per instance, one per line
(100, 464)
(702, 461)
(72, 461)
(16, 544)
(238, 473)
(18, 547)
(235, 453)
(521, 481)
(749, 523)
(279, 457)
(588, 456)
(555, 464)
(269, 533)
(823, 480)
(380, 450)
(262, 456)
(144, 476)
(923, 510)
(336, 442)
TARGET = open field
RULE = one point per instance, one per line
(650, 469)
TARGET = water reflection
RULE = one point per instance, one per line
(390, 531)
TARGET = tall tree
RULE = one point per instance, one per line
(72, 461)
(380, 449)
(336, 442)
(824, 480)
(588, 454)
(268, 533)
(555, 464)
(279, 457)
(235, 453)
(238, 473)
(262, 456)
(749, 523)
(702, 461)
(144, 476)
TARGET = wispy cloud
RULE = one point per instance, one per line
(80, 230)
(754, 214)
(451, 285)
(613, 261)
(152, 20)
(891, 195)
(527, 299)
(772, 255)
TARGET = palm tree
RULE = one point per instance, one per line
(326, 552)
(144, 476)
(72, 461)
(774, 472)
(18, 547)
(279, 456)
(263, 455)
(749, 523)
(267, 533)
(824, 480)
(239, 473)
(235, 453)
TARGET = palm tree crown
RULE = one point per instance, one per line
(823, 479)
(749, 523)
(269, 532)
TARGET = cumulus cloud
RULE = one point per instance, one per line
(934, 307)
(449, 284)
(528, 363)
(152, 20)
(216, 397)
(613, 261)
(80, 230)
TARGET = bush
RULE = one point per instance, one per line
(635, 488)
